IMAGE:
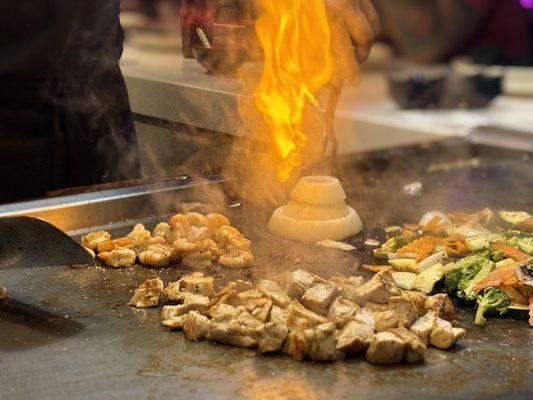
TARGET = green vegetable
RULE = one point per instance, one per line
(526, 245)
(404, 264)
(393, 244)
(426, 280)
(466, 270)
(478, 242)
(486, 268)
(491, 301)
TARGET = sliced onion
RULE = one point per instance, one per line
(398, 256)
(431, 260)
(468, 230)
(432, 214)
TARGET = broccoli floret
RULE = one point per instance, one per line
(492, 300)
(394, 244)
(526, 245)
(486, 268)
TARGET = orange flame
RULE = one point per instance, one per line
(296, 40)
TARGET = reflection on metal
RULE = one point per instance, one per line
(81, 211)
(501, 137)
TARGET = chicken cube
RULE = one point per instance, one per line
(238, 286)
(231, 298)
(355, 337)
(319, 297)
(342, 311)
(231, 333)
(386, 348)
(197, 283)
(273, 291)
(174, 322)
(223, 313)
(147, 294)
(415, 348)
(262, 312)
(297, 310)
(322, 342)
(385, 320)
(195, 326)
(173, 293)
(418, 299)
(424, 325)
(191, 302)
(443, 335)
(297, 282)
(270, 337)
(296, 346)
(373, 290)
(442, 305)
(404, 309)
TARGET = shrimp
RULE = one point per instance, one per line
(160, 229)
(196, 219)
(157, 255)
(119, 258)
(139, 235)
(212, 246)
(93, 239)
(184, 246)
(200, 259)
(178, 228)
(237, 258)
(112, 244)
(230, 237)
(197, 235)
(215, 221)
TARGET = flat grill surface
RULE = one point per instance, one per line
(68, 333)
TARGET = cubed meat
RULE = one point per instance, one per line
(173, 293)
(385, 320)
(273, 291)
(296, 346)
(424, 325)
(223, 313)
(174, 322)
(251, 294)
(443, 335)
(442, 305)
(191, 302)
(231, 333)
(373, 290)
(322, 342)
(404, 309)
(297, 310)
(197, 283)
(238, 286)
(418, 299)
(270, 337)
(231, 298)
(415, 348)
(355, 337)
(195, 326)
(319, 297)
(262, 312)
(342, 311)
(297, 282)
(386, 349)
(147, 294)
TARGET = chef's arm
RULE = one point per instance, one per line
(428, 30)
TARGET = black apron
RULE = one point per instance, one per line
(64, 113)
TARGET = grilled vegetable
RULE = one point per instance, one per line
(479, 242)
(404, 280)
(492, 300)
(425, 281)
(515, 217)
(404, 264)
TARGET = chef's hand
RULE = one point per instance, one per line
(354, 26)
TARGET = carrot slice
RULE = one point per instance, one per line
(432, 224)
(496, 277)
(511, 251)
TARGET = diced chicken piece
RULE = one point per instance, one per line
(200, 259)
(147, 294)
(319, 297)
(251, 294)
(273, 291)
(385, 320)
(352, 280)
(373, 290)
(404, 309)
(197, 283)
(376, 307)
(342, 311)
(297, 282)
(415, 348)
(443, 335)
(424, 325)
(355, 337)
(322, 342)
(174, 322)
(294, 323)
(195, 326)
(297, 310)
(386, 278)
(223, 313)
(173, 293)
(262, 312)
(270, 337)
(231, 298)
(386, 348)
(296, 346)
(231, 333)
(442, 305)
(191, 302)
(418, 299)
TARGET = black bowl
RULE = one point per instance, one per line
(221, 60)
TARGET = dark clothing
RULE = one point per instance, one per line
(64, 113)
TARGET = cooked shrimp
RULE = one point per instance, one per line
(184, 246)
(215, 221)
(160, 229)
(196, 219)
(91, 252)
(119, 258)
(237, 258)
(200, 259)
(157, 255)
(178, 228)
(139, 235)
(230, 237)
(212, 246)
(197, 235)
(109, 245)
(93, 239)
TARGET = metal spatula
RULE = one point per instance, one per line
(27, 242)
